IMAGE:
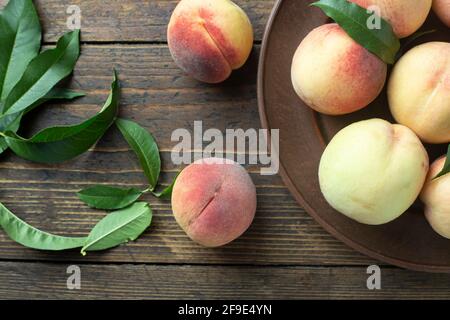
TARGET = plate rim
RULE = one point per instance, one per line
(293, 190)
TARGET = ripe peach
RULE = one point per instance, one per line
(373, 171)
(214, 201)
(405, 16)
(442, 9)
(335, 75)
(435, 195)
(419, 91)
(209, 38)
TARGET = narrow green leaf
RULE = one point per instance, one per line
(8, 123)
(54, 94)
(145, 147)
(20, 39)
(3, 145)
(11, 122)
(109, 198)
(354, 19)
(58, 144)
(119, 227)
(30, 237)
(446, 168)
(61, 94)
(166, 193)
(43, 73)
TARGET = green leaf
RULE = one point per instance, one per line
(167, 192)
(58, 144)
(53, 94)
(3, 145)
(20, 39)
(43, 73)
(28, 236)
(109, 198)
(62, 93)
(145, 147)
(353, 19)
(11, 122)
(119, 227)
(446, 168)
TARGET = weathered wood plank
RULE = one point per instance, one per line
(282, 232)
(156, 92)
(128, 20)
(48, 281)
(162, 99)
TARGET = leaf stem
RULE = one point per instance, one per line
(149, 189)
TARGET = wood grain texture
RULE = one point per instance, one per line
(48, 281)
(128, 20)
(157, 95)
(287, 255)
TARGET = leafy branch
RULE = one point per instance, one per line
(27, 80)
(144, 146)
(116, 228)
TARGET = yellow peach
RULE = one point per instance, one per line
(442, 10)
(209, 38)
(405, 16)
(435, 196)
(373, 171)
(419, 91)
(214, 201)
(335, 75)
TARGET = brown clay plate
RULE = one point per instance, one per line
(409, 241)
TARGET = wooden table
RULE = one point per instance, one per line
(285, 254)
